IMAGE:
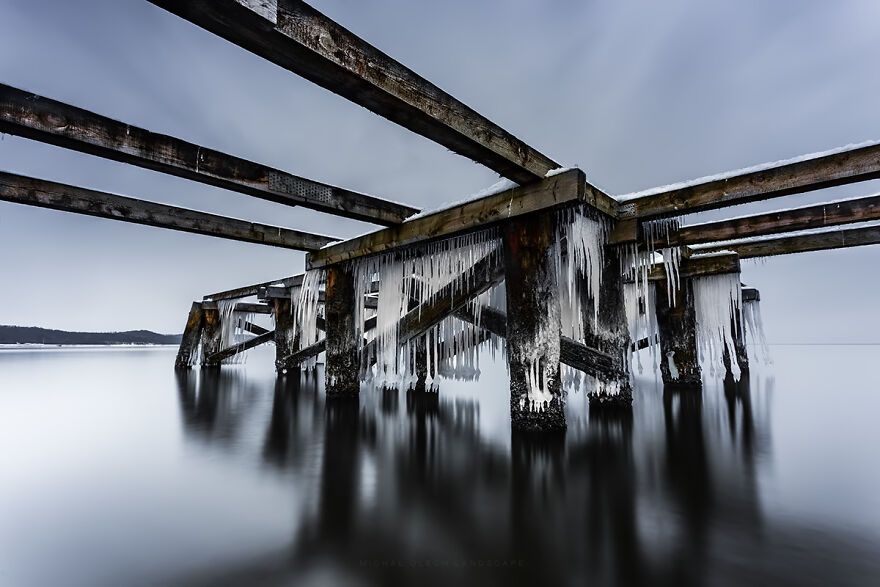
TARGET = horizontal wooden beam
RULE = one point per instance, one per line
(809, 217)
(252, 290)
(294, 359)
(297, 37)
(42, 119)
(785, 245)
(837, 168)
(567, 188)
(215, 358)
(254, 329)
(697, 265)
(58, 196)
(245, 308)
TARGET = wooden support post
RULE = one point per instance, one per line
(679, 364)
(421, 366)
(341, 369)
(533, 326)
(286, 341)
(211, 342)
(739, 345)
(610, 333)
(191, 335)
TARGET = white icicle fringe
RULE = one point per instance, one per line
(306, 309)
(718, 303)
(754, 327)
(232, 331)
(583, 238)
(416, 276)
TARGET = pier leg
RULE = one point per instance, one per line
(341, 369)
(679, 364)
(211, 336)
(421, 367)
(191, 335)
(610, 333)
(286, 342)
(739, 344)
(533, 323)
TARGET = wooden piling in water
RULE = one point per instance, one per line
(191, 336)
(211, 342)
(341, 370)
(533, 322)
(286, 342)
(677, 323)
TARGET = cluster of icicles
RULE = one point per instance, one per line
(719, 308)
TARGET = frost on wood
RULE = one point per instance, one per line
(717, 303)
(232, 330)
(411, 278)
(754, 327)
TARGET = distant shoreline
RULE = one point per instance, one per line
(35, 336)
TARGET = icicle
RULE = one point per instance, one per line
(307, 311)
(232, 331)
(755, 330)
(717, 301)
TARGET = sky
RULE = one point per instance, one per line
(636, 93)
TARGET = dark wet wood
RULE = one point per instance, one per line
(839, 169)
(191, 336)
(566, 188)
(293, 360)
(678, 335)
(254, 329)
(286, 339)
(341, 369)
(58, 196)
(697, 265)
(300, 39)
(533, 320)
(786, 245)
(42, 119)
(211, 337)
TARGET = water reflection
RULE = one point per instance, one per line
(400, 487)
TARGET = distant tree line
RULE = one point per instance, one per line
(33, 335)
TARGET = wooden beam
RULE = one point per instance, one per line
(822, 171)
(58, 196)
(294, 359)
(251, 290)
(244, 308)
(809, 217)
(217, 357)
(42, 119)
(820, 241)
(297, 37)
(703, 263)
(569, 187)
(254, 329)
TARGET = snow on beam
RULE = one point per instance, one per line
(700, 263)
(819, 241)
(297, 37)
(568, 187)
(42, 119)
(842, 166)
(57, 196)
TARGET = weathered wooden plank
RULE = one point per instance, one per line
(786, 245)
(569, 187)
(217, 357)
(286, 334)
(809, 217)
(839, 168)
(211, 333)
(702, 263)
(254, 329)
(677, 323)
(302, 40)
(245, 308)
(250, 290)
(294, 359)
(58, 196)
(49, 121)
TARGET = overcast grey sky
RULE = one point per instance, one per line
(637, 94)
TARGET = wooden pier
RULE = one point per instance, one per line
(531, 230)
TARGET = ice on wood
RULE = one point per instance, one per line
(232, 331)
(306, 309)
(754, 327)
(717, 304)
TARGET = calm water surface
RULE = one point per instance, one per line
(114, 470)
